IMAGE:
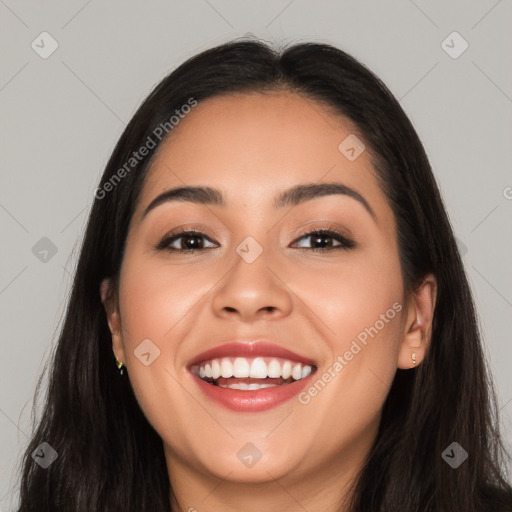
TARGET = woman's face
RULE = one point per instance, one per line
(254, 277)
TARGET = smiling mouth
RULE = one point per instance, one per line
(250, 374)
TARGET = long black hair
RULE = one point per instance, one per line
(109, 456)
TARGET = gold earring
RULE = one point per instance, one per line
(120, 366)
(413, 358)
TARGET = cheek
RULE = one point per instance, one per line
(359, 308)
(362, 309)
(156, 299)
(351, 296)
(156, 303)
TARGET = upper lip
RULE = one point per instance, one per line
(250, 348)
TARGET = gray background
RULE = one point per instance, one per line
(62, 116)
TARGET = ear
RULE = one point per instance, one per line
(418, 325)
(110, 302)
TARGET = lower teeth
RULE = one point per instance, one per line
(247, 387)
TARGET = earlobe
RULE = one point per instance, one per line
(418, 326)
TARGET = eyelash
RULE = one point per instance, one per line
(345, 243)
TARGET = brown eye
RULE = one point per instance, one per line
(325, 239)
(186, 241)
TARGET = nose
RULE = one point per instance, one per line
(252, 291)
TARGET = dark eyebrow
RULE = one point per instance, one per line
(302, 193)
(290, 197)
(200, 195)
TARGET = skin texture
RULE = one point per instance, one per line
(252, 147)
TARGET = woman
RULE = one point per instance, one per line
(269, 310)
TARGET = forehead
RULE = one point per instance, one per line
(254, 145)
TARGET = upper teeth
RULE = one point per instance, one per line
(256, 368)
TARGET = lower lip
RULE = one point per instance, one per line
(255, 400)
